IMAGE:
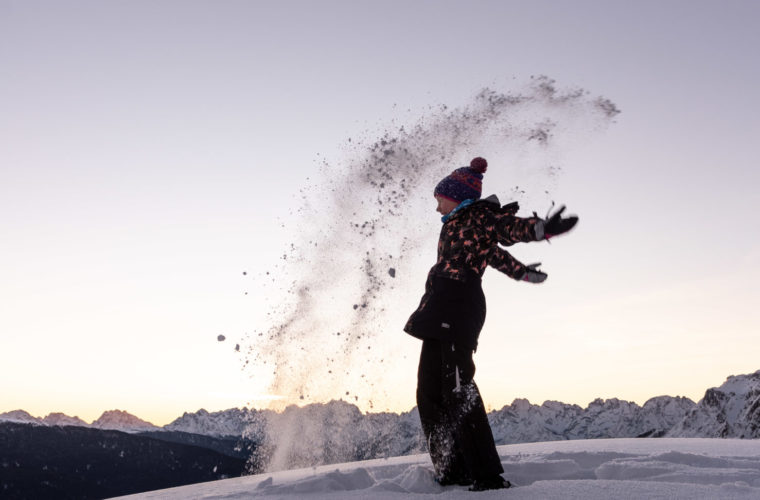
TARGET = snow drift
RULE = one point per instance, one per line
(676, 469)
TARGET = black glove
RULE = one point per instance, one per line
(533, 275)
(555, 225)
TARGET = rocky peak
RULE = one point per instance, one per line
(62, 419)
(122, 421)
(19, 416)
(231, 422)
(729, 411)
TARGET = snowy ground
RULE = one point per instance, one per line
(668, 469)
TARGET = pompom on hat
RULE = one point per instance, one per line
(464, 183)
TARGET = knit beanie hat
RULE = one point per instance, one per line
(463, 183)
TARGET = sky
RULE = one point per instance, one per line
(153, 152)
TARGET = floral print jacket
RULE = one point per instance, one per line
(453, 306)
(469, 240)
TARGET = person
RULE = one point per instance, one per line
(450, 317)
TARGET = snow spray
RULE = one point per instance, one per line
(365, 236)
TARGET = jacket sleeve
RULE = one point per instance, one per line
(511, 229)
(503, 261)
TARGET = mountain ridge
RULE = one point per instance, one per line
(729, 410)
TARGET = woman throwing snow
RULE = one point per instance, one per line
(451, 315)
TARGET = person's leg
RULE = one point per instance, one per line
(472, 434)
(429, 396)
(434, 415)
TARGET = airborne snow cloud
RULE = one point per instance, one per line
(363, 231)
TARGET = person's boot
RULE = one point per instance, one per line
(490, 483)
(454, 479)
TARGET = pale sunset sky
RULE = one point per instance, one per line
(151, 150)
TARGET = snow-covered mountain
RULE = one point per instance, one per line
(113, 420)
(232, 422)
(393, 434)
(523, 422)
(729, 411)
(20, 417)
(660, 414)
(62, 419)
(122, 421)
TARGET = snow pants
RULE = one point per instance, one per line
(452, 414)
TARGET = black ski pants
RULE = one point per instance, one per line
(452, 414)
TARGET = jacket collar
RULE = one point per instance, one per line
(492, 200)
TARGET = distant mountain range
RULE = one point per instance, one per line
(119, 453)
(729, 411)
(113, 419)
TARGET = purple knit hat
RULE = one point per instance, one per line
(463, 183)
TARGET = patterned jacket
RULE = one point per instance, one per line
(453, 307)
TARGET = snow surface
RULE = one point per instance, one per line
(670, 468)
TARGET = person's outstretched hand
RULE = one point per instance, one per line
(534, 275)
(555, 224)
